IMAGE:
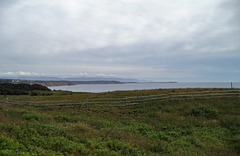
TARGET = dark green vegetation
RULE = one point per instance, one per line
(21, 89)
(172, 127)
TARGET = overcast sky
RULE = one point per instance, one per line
(155, 40)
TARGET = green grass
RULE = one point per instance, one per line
(178, 127)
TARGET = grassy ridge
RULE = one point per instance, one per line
(21, 89)
(179, 127)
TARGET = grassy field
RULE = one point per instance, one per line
(172, 127)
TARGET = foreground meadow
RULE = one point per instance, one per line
(171, 127)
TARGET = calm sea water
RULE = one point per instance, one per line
(96, 88)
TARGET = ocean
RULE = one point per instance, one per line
(97, 88)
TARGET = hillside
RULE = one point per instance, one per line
(56, 82)
(182, 123)
(20, 89)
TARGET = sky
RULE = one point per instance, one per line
(151, 40)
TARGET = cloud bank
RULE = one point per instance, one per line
(152, 40)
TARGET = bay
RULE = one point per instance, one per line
(97, 88)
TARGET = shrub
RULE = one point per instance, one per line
(204, 111)
(123, 148)
(236, 143)
(9, 127)
(39, 139)
(64, 118)
(8, 143)
(32, 116)
(64, 145)
(101, 152)
(230, 121)
(48, 130)
(99, 124)
(157, 147)
(34, 93)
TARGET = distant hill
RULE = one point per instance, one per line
(55, 82)
(72, 79)
(20, 89)
(66, 83)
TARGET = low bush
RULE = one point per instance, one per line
(48, 130)
(236, 143)
(203, 111)
(7, 143)
(32, 116)
(101, 124)
(157, 147)
(108, 146)
(64, 118)
(66, 146)
(40, 93)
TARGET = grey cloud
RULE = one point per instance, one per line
(174, 38)
(7, 3)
